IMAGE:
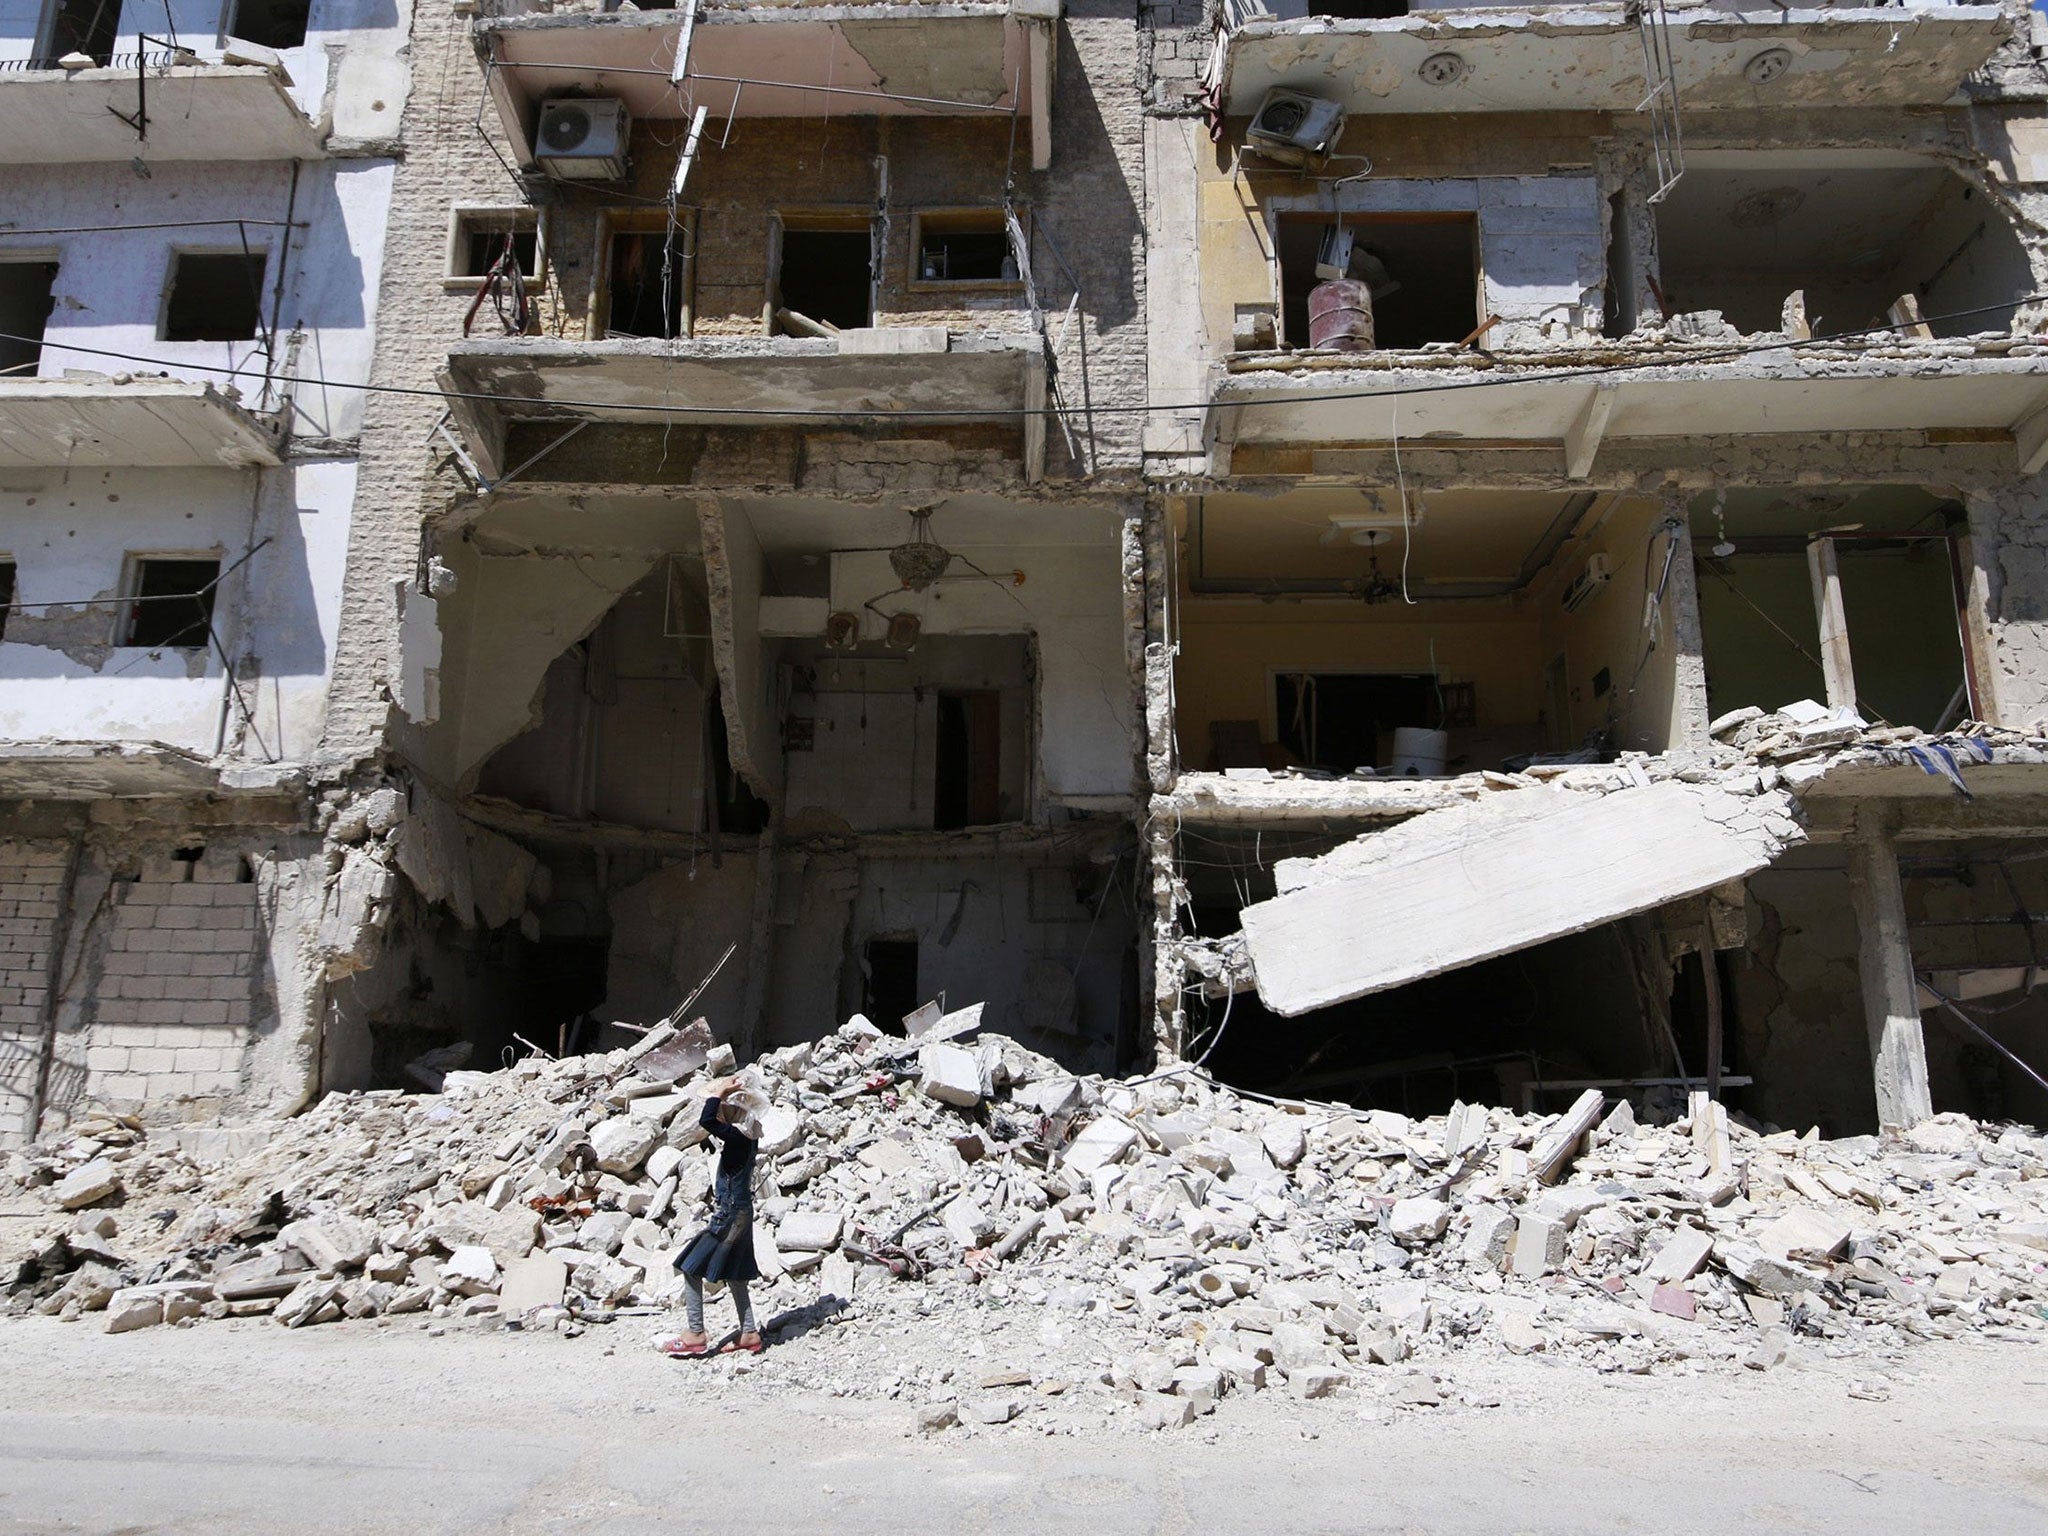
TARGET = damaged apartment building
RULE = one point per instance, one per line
(192, 203)
(1398, 555)
(754, 570)
(1598, 635)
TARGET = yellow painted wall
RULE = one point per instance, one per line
(1235, 259)
(1230, 651)
(1608, 632)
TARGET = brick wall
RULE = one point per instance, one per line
(31, 886)
(179, 966)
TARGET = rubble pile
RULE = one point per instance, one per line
(1160, 1242)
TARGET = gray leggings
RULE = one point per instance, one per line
(693, 1303)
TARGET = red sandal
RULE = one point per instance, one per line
(678, 1348)
(740, 1346)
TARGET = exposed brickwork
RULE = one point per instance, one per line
(179, 970)
(31, 888)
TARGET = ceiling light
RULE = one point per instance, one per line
(1444, 69)
(1765, 67)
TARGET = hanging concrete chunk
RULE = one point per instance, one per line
(1461, 885)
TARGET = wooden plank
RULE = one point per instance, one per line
(1905, 314)
(1837, 672)
(1041, 94)
(1710, 980)
(1556, 1147)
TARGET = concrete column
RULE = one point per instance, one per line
(1898, 1046)
(1838, 675)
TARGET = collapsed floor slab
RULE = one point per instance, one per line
(1467, 883)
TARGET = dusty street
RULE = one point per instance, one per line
(358, 1428)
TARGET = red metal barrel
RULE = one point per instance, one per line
(1340, 316)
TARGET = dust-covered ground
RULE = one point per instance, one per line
(426, 1426)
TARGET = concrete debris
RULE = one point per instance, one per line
(1527, 867)
(1174, 1243)
(87, 1184)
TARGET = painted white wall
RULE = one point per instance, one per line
(1072, 600)
(370, 36)
(70, 535)
(111, 288)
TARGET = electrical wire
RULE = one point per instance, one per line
(56, 343)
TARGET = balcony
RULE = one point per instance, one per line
(130, 422)
(1583, 58)
(150, 107)
(1306, 413)
(976, 58)
(921, 377)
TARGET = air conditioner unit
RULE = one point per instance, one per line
(1294, 128)
(583, 139)
(1587, 583)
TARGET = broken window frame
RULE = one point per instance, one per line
(178, 256)
(839, 218)
(48, 50)
(969, 220)
(1960, 591)
(230, 13)
(467, 220)
(133, 577)
(1360, 219)
(613, 222)
(52, 259)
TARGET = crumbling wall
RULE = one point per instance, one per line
(669, 928)
(71, 532)
(2009, 551)
(34, 876)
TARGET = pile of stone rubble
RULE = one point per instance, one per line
(1160, 1242)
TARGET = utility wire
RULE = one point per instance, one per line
(1552, 376)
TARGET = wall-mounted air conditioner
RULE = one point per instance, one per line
(1587, 583)
(1294, 128)
(583, 139)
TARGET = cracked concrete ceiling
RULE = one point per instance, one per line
(968, 54)
(1591, 59)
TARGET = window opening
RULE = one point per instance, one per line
(967, 791)
(967, 246)
(172, 605)
(215, 296)
(1620, 317)
(1359, 10)
(646, 283)
(827, 275)
(27, 295)
(889, 982)
(1897, 569)
(6, 595)
(1422, 270)
(1744, 233)
(478, 241)
(1337, 720)
(270, 23)
(83, 26)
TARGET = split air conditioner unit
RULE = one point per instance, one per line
(1587, 583)
(583, 139)
(1293, 128)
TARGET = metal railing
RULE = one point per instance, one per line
(158, 59)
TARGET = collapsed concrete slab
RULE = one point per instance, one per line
(1467, 883)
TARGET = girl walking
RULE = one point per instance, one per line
(724, 1250)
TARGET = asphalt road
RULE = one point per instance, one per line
(355, 1429)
